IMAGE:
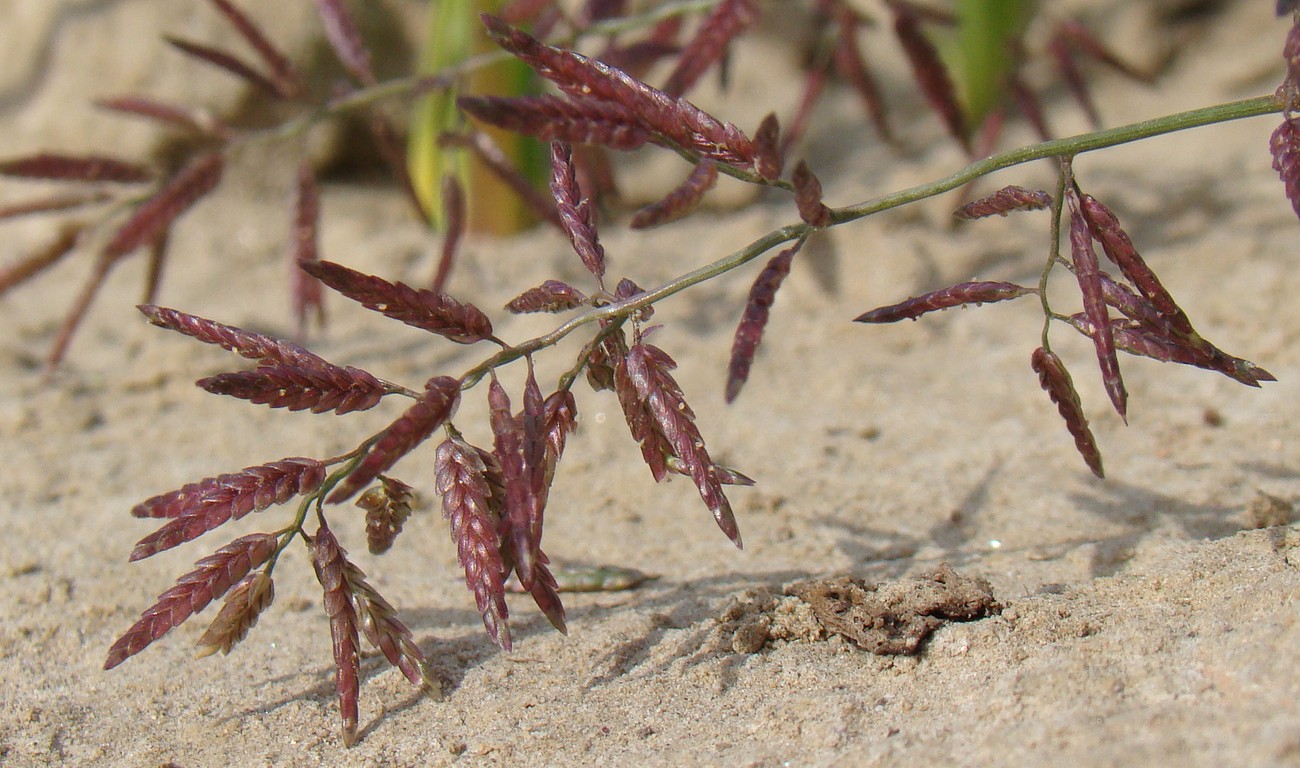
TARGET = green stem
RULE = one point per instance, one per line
(1073, 145)
(1067, 147)
(622, 309)
(1054, 248)
(648, 19)
(416, 85)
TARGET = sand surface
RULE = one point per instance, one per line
(1145, 619)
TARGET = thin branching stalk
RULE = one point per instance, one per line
(1056, 148)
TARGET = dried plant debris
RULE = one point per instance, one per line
(574, 577)
(894, 618)
(891, 618)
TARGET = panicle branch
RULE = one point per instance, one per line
(1087, 272)
(341, 389)
(1055, 379)
(575, 211)
(962, 294)
(56, 167)
(284, 74)
(387, 506)
(681, 201)
(474, 512)
(648, 370)
(728, 19)
(211, 578)
(671, 121)
(331, 564)
(159, 212)
(749, 333)
(930, 72)
(228, 62)
(514, 452)
(197, 508)
(435, 406)
(249, 344)
(244, 605)
(307, 294)
(344, 37)
(418, 307)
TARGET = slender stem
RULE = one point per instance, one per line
(418, 84)
(1073, 145)
(1067, 147)
(658, 14)
(621, 309)
(1054, 248)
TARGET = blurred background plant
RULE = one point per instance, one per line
(484, 175)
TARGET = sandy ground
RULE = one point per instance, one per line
(1145, 619)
